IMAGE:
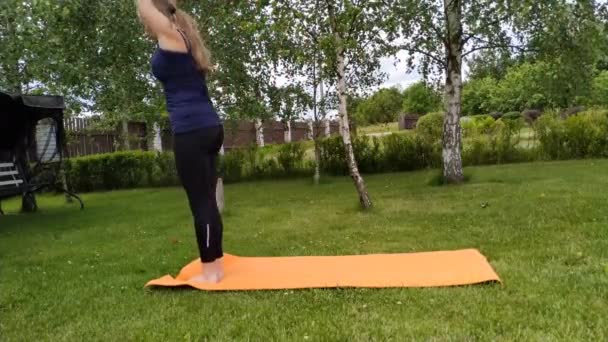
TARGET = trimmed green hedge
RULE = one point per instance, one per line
(486, 141)
(121, 170)
(134, 169)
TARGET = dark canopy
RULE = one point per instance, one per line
(20, 113)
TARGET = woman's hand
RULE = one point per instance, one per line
(155, 15)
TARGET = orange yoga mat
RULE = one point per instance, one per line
(430, 269)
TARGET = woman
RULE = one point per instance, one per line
(181, 63)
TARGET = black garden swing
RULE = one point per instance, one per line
(32, 144)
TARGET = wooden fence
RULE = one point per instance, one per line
(84, 144)
(84, 140)
(77, 124)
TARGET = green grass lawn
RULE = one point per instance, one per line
(70, 275)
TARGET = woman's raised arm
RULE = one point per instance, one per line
(157, 23)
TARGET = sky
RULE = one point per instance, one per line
(397, 74)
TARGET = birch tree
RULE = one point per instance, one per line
(440, 34)
(347, 37)
(303, 60)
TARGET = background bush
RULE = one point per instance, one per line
(231, 165)
(584, 135)
(430, 127)
(121, 170)
(382, 107)
(421, 98)
(291, 157)
(512, 116)
(409, 152)
(486, 141)
(478, 124)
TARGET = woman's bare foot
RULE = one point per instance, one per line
(213, 272)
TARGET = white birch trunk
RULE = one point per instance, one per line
(314, 129)
(125, 134)
(364, 198)
(157, 142)
(311, 130)
(287, 133)
(259, 132)
(452, 139)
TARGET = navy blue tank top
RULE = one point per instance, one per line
(185, 87)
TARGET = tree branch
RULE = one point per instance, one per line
(307, 30)
(362, 48)
(436, 59)
(497, 46)
(495, 22)
(440, 36)
(311, 35)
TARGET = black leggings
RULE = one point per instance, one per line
(196, 155)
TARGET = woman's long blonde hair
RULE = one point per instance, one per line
(201, 53)
(188, 25)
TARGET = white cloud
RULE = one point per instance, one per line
(396, 69)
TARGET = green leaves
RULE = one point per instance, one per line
(382, 107)
(599, 90)
(97, 55)
(421, 98)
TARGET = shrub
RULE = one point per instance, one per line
(496, 115)
(586, 135)
(253, 158)
(421, 98)
(430, 127)
(506, 140)
(133, 169)
(477, 151)
(396, 152)
(368, 154)
(382, 107)
(550, 132)
(581, 136)
(479, 96)
(269, 168)
(568, 112)
(495, 143)
(120, 170)
(166, 173)
(365, 149)
(512, 116)
(333, 158)
(486, 142)
(404, 152)
(531, 115)
(291, 157)
(478, 124)
(231, 165)
(599, 90)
